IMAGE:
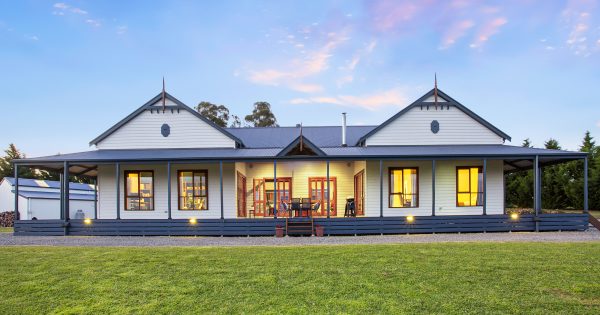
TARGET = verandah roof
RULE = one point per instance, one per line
(515, 157)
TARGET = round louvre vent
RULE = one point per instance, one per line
(435, 126)
(165, 130)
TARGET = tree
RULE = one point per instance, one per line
(527, 143)
(262, 116)
(552, 144)
(235, 122)
(218, 114)
(6, 166)
(519, 186)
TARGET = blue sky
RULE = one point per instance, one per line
(72, 69)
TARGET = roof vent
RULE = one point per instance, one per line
(344, 130)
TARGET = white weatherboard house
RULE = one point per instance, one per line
(435, 166)
(40, 199)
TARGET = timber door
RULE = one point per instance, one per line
(281, 194)
(258, 196)
(241, 195)
(359, 193)
(317, 187)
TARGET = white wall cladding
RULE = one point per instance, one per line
(414, 128)
(445, 188)
(107, 196)
(187, 131)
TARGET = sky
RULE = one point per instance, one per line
(70, 70)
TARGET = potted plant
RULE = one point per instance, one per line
(279, 231)
(319, 230)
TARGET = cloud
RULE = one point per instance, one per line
(373, 101)
(388, 15)
(577, 20)
(490, 28)
(121, 29)
(32, 37)
(61, 6)
(297, 70)
(79, 11)
(93, 22)
(456, 31)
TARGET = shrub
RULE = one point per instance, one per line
(6, 218)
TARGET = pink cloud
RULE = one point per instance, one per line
(489, 29)
(373, 101)
(387, 15)
(456, 31)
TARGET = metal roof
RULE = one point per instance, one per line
(450, 102)
(54, 195)
(280, 137)
(148, 105)
(27, 182)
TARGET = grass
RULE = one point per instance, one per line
(410, 278)
(6, 229)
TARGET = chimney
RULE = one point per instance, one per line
(344, 130)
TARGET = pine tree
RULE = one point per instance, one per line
(6, 165)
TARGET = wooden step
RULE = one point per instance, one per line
(299, 227)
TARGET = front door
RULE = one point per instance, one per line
(318, 193)
(258, 196)
(359, 193)
(281, 194)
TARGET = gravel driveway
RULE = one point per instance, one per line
(7, 239)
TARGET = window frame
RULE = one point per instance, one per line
(179, 196)
(470, 192)
(390, 171)
(138, 172)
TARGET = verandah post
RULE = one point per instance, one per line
(221, 187)
(328, 193)
(62, 191)
(275, 201)
(381, 188)
(16, 192)
(169, 189)
(65, 196)
(433, 187)
(536, 191)
(96, 198)
(484, 186)
(118, 186)
(585, 186)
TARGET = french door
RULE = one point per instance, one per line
(359, 193)
(266, 195)
(317, 187)
(241, 195)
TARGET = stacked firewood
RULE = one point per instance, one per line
(6, 219)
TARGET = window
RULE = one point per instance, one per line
(193, 190)
(404, 187)
(469, 186)
(139, 190)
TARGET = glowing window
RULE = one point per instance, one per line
(193, 190)
(139, 190)
(403, 188)
(469, 186)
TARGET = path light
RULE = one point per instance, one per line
(193, 221)
(514, 216)
(87, 221)
(410, 219)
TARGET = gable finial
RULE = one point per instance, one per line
(301, 139)
(163, 95)
(435, 94)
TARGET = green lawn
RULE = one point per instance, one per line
(6, 229)
(421, 278)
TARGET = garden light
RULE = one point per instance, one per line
(193, 221)
(410, 219)
(514, 216)
(87, 221)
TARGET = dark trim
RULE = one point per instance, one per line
(169, 191)
(66, 200)
(585, 186)
(333, 226)
(220, 187)
(390, 170)
(118, 188)
(421, 102)
(305, 142)
(484, 186)
(96, 198)
(470, 192)
(148, 105)
(433, 187)
(16, 169)
(329, 192)
(275, 195)
(179, 196)
(126, 196)
(381, 188)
